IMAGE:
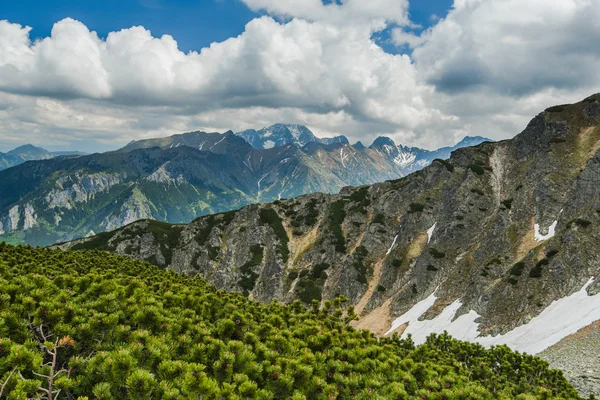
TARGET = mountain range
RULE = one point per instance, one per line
(282, 134)
(496, 245)
(181, 177)
(29, 152)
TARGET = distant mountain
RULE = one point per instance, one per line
(411, 159)
(179, 178)
(408, 159)
(29, 152)
(282, 134)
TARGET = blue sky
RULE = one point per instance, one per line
(193, 23)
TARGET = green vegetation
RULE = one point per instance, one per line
(318, 271)
(477, 167)
(309, 290)
(580, 222)
(166, 235)
(557, 109)
(248, 276)
(361, 199)
(431, 267)
(359, 264)
(96, 325)
(309, 218)
(379, 219)
(536, 272)
(446, 163)
(381, 289)
(507, 203)
(269, 217)
(517, 269)
(436, 253)
(416, 207)
(477, 191)
(396, 263)
(337, 214)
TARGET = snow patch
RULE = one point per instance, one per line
(343, 157)
(551, 232)
(560, 319)
(211, 147)
(392, 246)
(430, 233)
(269, 144)
(261, 179)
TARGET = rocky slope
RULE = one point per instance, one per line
(173, 179)
(482, 245)
(29, 152)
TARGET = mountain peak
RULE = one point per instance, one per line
(281, 134)
(383, 141)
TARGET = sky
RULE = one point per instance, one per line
(93, 76)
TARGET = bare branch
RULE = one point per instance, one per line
(6, 381)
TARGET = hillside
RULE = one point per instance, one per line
(103, 326)
(29, 152)
(173, 179)
(481, 245)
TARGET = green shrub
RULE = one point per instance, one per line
(517, 269)
(536, 272)
(556, 109)
(477, 191)
(337, 214)
(248, 276)
(269, 216)
(446, 163)
(380, 288)
(379, 219)
(415, 208)
(318, 270)
(507, 203)
(582, 223)
(476, 168)
(431, 267)
(436, 254)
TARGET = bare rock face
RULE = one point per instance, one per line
(501, 229)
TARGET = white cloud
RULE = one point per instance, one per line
(514, 47)
(484, 69)
(373, 12)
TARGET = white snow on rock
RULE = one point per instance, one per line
(430, 233)
(560, 319)
(211, 147)
(261, 179)
(392, 246)
(551, 232)
(269, 144)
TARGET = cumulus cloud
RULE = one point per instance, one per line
(515, 47)
(373, 12)
(307, 65)
(484, 69)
